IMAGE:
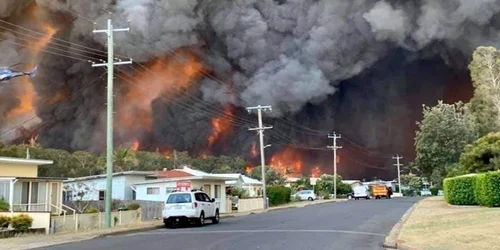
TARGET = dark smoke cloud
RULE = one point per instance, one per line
(291, 54)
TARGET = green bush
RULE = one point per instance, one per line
(21, 222)
(325, 195)
(343, 188)
(460, 190)
(278, 195)
(4, 221)
(434, 191)
(408, 192)
(91, 210)
(4, 205)
(488, 189)
(133, 206)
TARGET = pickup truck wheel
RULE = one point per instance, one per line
(216, 219)
(310, 199)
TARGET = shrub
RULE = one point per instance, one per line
(21, 222)
(343, 188)
(325, 195)
(460, 190)
(91, 210)
(408, 192)
(133, 206)
(278, 195)
(4, 205)
(4, 221)
(239, 192)
(488, 189)
(434, 191)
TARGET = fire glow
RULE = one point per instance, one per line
(220, 125)
(161, 76)
(254, 149)
(287, 162)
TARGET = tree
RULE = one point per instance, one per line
(326, 183)
(88, 163)
(149, 161)
(481, 156)
(78, 191)
(124, 159)
(412, 181)
(442, 135)
(272, 176)
(485, 74)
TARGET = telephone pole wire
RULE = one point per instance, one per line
(109, 134)
(261, 129)
(334, 137)
(397, 158)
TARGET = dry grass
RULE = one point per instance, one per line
(436, 225)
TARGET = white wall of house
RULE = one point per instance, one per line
(157, 191)
(97, 187)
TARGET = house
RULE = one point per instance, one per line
(184, 179)
(25, 191)
(353, 183)
(252, 186)
(94, 187)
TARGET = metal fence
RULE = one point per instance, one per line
(150, 210)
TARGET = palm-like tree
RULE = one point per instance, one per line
(123, 158)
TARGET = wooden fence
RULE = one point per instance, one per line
(150, 210)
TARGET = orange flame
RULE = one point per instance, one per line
(316, 172)
(254, 149)
(26, 92)
(134, 146)
(220, 124)
(159, 77)
(167, 153)
(287, 163)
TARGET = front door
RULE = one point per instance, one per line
(54, 191)
(207, 189)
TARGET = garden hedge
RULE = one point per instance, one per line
(278, 195)
(481, 189)
(460, 190)
(488, 189)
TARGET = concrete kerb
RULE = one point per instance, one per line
(391, 240)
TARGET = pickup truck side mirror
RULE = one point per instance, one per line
(213, 199)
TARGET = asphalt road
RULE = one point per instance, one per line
(359, 225)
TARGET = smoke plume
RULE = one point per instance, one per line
(324, 64)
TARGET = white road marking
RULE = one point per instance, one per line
(260, 231)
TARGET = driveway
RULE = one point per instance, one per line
(361, 224)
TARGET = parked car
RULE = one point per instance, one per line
(306, 195)
(190, 207)
(425, 192)
(359, 192)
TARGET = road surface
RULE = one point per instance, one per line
(359, 225)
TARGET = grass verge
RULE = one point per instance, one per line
(436, 225)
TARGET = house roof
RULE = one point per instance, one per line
(187, 173)
(244, 178)
(350, 181)
(22, 161)
(188, 178)
(91, 177)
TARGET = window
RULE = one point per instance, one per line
(199, 197)
(102, 194)
(207, 198)
(217, 191)
(34, 192)
(179, 198)
(153, 190)
(170, 190)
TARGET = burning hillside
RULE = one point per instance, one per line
(362, 68)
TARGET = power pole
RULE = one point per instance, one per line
(261, 129)
(109, 134)
(397, 158)
(334, 137)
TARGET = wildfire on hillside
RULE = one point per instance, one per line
(287, 162)
(248, 168)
